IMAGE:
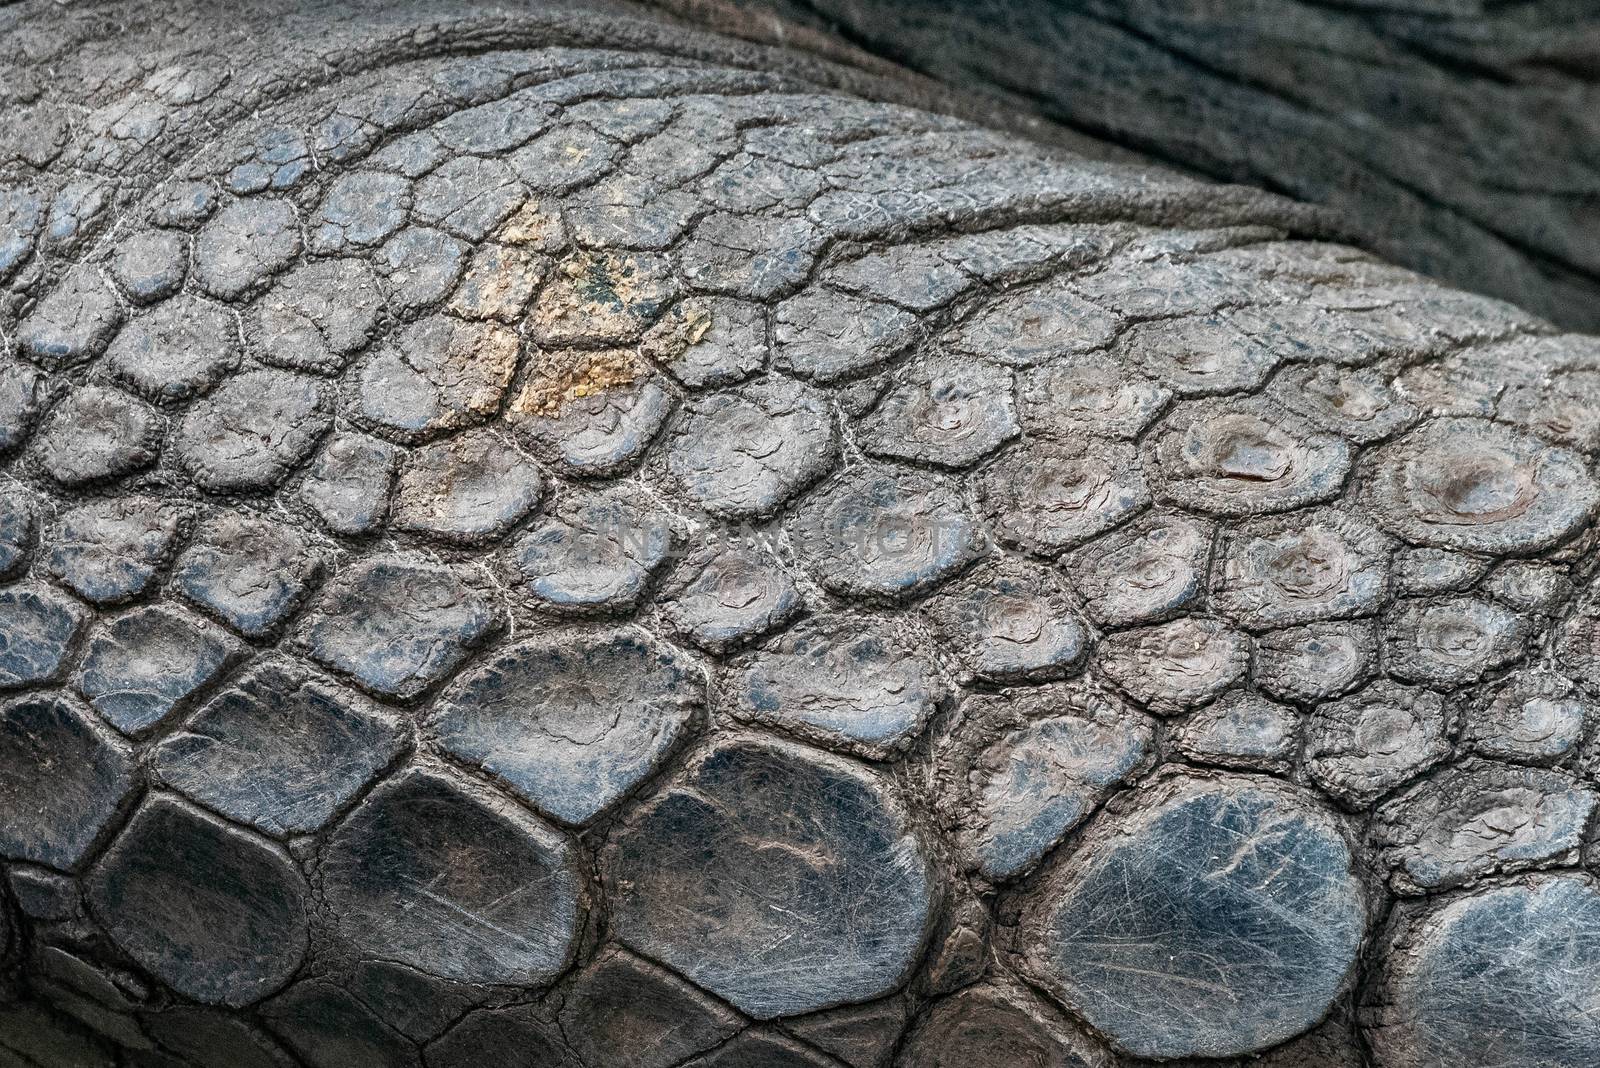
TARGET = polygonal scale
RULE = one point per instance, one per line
(1469, 484)
(217, 913)
(441, 874)
(836, 914)
(1034, 764)
(1213, 919)
(37, 629)
(75, 772)
(744, 452)
(143, 665)
(882, 534)
(572, 722)
(1492, 978)
(398, 624)
(841, 681)
(279, 749)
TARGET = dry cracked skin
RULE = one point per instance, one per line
(547, 537)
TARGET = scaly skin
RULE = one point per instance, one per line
(560, 538)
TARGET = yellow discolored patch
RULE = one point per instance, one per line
(477, 365)
(558, 378)
(605, 297)
(680, 330)
(697, 321)
(535, 227)
(500, 284)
